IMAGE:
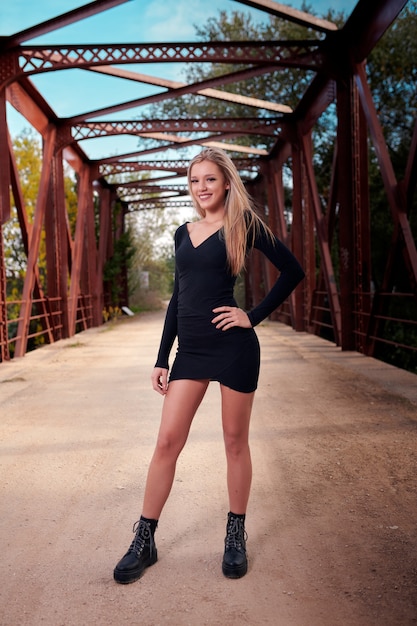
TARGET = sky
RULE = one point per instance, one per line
(141, 21)
(144, 20)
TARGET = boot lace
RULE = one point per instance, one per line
(236, 535)
(143, 537)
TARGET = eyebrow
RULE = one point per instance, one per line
(204, 175)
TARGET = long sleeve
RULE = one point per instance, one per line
(170, 329)
(291, 273)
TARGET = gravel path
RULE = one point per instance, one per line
(333, 512)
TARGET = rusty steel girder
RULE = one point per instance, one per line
(269, 126)
(30, 60)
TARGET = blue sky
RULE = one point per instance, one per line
(139, 20)
(75, 91)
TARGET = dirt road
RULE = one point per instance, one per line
(333, 512)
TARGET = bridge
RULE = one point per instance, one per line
(329, 229)
(332, 513)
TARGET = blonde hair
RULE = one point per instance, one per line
(240, 218)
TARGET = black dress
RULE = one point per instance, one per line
(202, 283)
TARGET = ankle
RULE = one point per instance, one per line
(239, 516)
(151, 523)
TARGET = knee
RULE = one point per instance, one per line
(235, 444)
(168, 445)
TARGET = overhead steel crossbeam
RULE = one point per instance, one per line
(291, 15)
(160, 203)
(179, 167)
(65, 19)
(208, 92)
(194, 88)
(268, 126)
(138, 189)
(120, 167)
(304, 54)
(174, 140)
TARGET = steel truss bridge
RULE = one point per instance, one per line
(337, 302)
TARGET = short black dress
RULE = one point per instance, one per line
(204, 282)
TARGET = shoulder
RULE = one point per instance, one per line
(258, 232)
(180, 232)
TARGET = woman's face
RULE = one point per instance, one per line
(208, 186)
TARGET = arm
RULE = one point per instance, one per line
(291, 273)
(159, 375)
(170, 329)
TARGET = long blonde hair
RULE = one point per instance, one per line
(240, 218)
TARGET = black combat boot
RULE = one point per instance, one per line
(235, 563)
(141, 554)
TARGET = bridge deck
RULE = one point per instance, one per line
(332, 515)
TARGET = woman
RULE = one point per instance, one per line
(216, 341)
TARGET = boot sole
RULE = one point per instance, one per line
(124, 578)
(235, 572)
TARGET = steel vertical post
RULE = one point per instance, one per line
(27, 295)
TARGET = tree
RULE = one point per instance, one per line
(28, 156)
(27, 151)
(152, 232)
(392, 75)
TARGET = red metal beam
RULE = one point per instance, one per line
(5, 166)
(291, 15)
(299, 201)
(57, 249)
(60, 21)
(217, 94)
(183, 143)
(77, 255)
(277, 223)
(26, 230)
(268, 126)
(396, 198)
(367, 23)
(27, 295)
(322, 239)
(193, 88)
(4, 335)
(410, 178)
(37, 59)
(265, 55)
(353, 232)
(105, 212)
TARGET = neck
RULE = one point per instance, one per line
(214, 219)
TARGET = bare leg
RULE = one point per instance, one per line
(236, 412)
(180, 405)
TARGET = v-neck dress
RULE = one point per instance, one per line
(204, 282)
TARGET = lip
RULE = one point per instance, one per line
(204, 196)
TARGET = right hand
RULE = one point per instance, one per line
(159, 380)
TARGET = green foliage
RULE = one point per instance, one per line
(117, 266)
(71, 199)
(28, 155)
(153, 232)
(392, 75)
(27, 151)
